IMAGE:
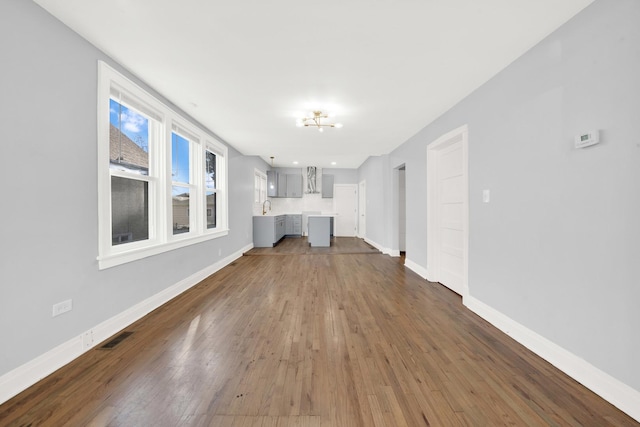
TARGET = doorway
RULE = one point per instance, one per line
(448, 211)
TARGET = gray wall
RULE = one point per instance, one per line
(378, 192)
(48, 219)
(558, 247)
(342, 176)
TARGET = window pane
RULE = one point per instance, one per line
(179, 159)
(180, 206)
(129, 210)
(128, 139)
(263, 189)
(210, 170)
(211, 209)
(256, 188)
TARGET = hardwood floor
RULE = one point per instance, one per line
(300, 246)
(333, 338)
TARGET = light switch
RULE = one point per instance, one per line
(486, 196)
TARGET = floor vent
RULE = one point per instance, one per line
(117, 340)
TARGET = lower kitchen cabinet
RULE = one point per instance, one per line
(268, 230)
(294, 225)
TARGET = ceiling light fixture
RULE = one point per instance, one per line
(316, 120)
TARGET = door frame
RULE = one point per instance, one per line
(460, 134)
(362, 209)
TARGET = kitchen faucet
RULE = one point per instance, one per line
(264, 210)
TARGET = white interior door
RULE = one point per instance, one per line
(402, 211)
(450, 226)
(362, 210)
(447, 221)
(345, 204)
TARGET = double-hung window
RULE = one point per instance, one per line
(259, 187)
(161, 179)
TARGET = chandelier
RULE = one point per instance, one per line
(319, 120)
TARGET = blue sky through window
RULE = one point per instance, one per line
(131, 123)
(179, 159)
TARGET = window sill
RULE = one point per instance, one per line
(124, 257)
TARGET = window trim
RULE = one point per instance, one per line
(262, 192)
(161, 238)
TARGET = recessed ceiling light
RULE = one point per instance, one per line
(333, 163)
(295, 162)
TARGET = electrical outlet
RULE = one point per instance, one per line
(62, 307)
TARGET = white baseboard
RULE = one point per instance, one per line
(614, 391)
(24, 376)
(379, 247)
(416, 268)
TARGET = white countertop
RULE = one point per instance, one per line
(298, 213)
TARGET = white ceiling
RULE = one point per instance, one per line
(245, 68)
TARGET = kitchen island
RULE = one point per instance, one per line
(319, 228)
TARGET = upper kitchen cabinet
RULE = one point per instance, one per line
(282, 184)
(327, 186)
(294, 185)
(272, 183)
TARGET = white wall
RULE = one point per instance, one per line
(557, 248)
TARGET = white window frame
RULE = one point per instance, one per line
(195, 187)
(165, 122)
(222, 205)
(259, 187)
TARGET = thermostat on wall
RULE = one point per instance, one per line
(586, 139)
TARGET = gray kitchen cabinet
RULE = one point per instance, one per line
(327, 186)
(282, 185)
(272, 183)
(319, 230)
(268, 230)
(280, 227)
(294, 185)
(294, 225)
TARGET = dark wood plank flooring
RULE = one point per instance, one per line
(340, 337)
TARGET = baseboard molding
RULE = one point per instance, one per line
(416, 268)
(24, 376)
(379, 247)
(612, 390)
